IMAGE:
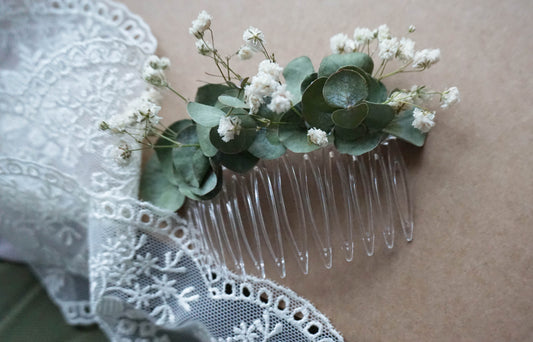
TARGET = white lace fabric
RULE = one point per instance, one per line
(70, 212)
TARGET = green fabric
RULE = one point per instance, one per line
(27, 314)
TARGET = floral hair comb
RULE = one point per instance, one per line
(306, 152)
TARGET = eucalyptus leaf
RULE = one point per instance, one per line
(377, 92)
(295, 72)
(209, 189)
(264, 148)
(345, 89)
(190, 164)
(332, 63)
(315, 110)
(379, 116)
(164, 153)
(205, 143)
(307, 81)
(240, 142)
(204, 115)
(293, 134)
(208, 94)
(350, 117)
(232, 101)
(240, 163)
(349, 134)
(359, 146)
(401, 127)
(156, 189)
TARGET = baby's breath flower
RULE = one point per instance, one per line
(200, 24)
(362, 36)
(449, 97)
(406, 49)
(340, 43)
(158, 63)
(260, 86)
(419, 95)
(383, 33)
(253, 37)
(317, 136)
(245, 52)
(281, 100)
(388, 48)
(122, 154)
(423, 120)
(204, 48)
(412, 28)
(270, 68)
(400, 100)
(155, 77)
(425, 58)
(229, 127)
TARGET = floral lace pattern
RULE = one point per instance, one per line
(142, 273)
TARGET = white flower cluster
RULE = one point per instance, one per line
(153, 71)
(122, 154)
(139, 118)
(229, 127)
(203, 47)
(425, 58)
(317, 137)
(423, 119)
(267, 84)
(449, 97)
(254, 40)
(200, 24)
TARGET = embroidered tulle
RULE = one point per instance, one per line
(70, 212)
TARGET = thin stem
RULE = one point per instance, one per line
(175, 92)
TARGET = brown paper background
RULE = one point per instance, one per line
(468, 274)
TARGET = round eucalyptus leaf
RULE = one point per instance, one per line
(294, 73)
(315, 109)
(402, 127)
(350, 117)
(204, 115)
(349, 134)
(345, 89)
(240, 162)
(293, 134)
(240, 142)
(156, 189)
(359, 146)
(208, 94)
(232, 101)
(164, 150)
(379, 116)
(205, 143)
(307, 81)
(332, 63)
(264, 148)
(377, 92)
(209, 188)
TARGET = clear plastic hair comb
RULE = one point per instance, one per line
(321, 202)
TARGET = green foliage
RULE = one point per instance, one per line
(208, 94)
(293, 134)
(204, 115)
(232, 101)
(379, 116)
(350, 117)
(241, 162)
(205, 143)
(401, 127)
(332, 63)
(359, 146)
(295, 73)
(315, 109)
(156, 189)
(265, 148)
(344, 89)
(241, 142)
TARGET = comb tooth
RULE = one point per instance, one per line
(274, 243)
(362, 197)
(295, 234)
(400, 189)
(313, 177)
(382, 197)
